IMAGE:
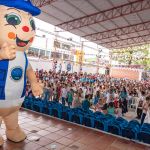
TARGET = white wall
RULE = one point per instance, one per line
(47, 65)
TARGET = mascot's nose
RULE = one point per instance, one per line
(25, 29)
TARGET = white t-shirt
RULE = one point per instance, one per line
(64, 92)
(107, 98)
(74, 88)
(147, 118)
(84, 91)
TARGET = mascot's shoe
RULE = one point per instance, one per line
(16, 135)
(1, 141)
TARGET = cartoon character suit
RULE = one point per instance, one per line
(17, 30)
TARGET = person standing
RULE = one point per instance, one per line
(46, 92)
(146, 107)
(70, 97)
(86, 103)
(64, 94)
(60, 68)
(76, 101)
(123, 97)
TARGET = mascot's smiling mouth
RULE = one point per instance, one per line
(21, 43)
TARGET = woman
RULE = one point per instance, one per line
(140, 104)
(123, 97)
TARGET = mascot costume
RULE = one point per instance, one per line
(17, 31)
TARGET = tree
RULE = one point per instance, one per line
(133, 57)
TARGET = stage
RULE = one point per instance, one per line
(62, 135)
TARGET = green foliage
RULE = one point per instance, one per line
(139, 57)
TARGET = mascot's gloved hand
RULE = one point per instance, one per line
(7, 51)
(37, 89)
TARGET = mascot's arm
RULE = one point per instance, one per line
(35, 86)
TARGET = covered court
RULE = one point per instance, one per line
(114, 24)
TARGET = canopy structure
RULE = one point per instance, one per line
(113, 24)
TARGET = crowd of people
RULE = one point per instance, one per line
(96, 92)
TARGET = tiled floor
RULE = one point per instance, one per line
(64, 136)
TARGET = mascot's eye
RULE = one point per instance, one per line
(32, 23)
(13, 19)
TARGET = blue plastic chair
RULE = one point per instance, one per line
(28, 103)
(38, 105)
(77, 115)
(88, 119)
(45, 108)
(131, 130)
(102, 121)
(56, 110)
(117, 125)
(66, 113)
(144, 134)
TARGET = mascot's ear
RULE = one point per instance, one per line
(24, 5)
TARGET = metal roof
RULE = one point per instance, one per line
(113, 24)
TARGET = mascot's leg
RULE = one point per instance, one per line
(1, 139)
(13, 131)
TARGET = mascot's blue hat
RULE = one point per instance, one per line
(24, 5)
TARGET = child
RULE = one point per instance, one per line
(97, 97)
(70, 97)
(86, 103)
(111, 109)
(98, 107)
(118, 110)
(76, 101)
(116, 102)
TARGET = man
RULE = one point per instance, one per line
(146, 109)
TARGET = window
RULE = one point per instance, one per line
(42, 53)
(65, 56)
(72, 58)
(56, 55)
(33, 52)
(57, 44)
(66, 47)
(47, 54)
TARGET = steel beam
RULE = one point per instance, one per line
(132, 48)
(118, 31)
(119, 11)
(126, 42)
(41, 3)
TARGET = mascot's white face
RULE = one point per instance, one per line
(17, 27)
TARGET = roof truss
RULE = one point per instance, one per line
(126, 9)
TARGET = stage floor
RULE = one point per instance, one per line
(64, 135)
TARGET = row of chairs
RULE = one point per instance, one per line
(108, 123)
